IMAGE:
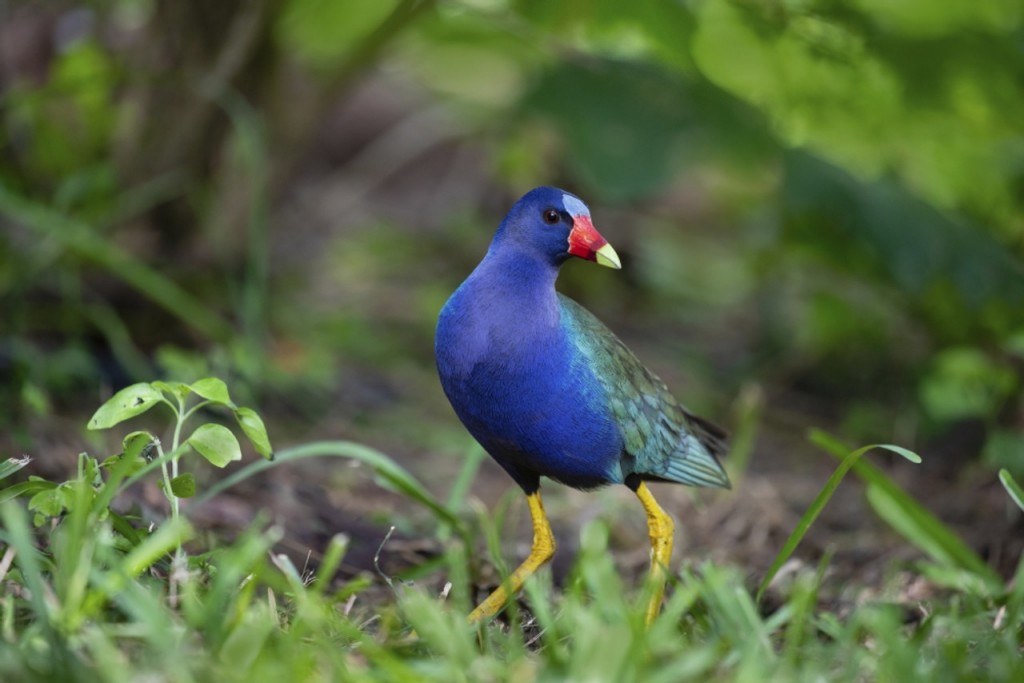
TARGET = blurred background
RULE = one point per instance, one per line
(819, 207)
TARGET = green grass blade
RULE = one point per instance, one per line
(19, 536)
(168, 536)
(849, 459)
(386, 469)
(150, 619)
(1015, 599)
(231, 592)
(25, 488)
(1012, 487)
(247, 639)
(12, 465)
(911, 520)
(118, 474)
(329, 564)
(475, 455)
(735, 613)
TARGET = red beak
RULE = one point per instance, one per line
(587, 243)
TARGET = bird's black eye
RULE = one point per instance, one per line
(551, 216)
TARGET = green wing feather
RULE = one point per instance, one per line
(663, 440)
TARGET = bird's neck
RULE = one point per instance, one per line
(498, 325)
(520, 286)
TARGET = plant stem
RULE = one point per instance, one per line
(167, 480)
(193, 409)
(181, 416)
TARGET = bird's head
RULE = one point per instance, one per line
(556, 225)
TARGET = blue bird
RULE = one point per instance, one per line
(549, 391)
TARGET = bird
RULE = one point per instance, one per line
(549, 391)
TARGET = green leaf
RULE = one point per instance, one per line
(130, 467)
(177, 389)
(255, 430)
(50, 502)
(1012, 487)
(137, 443)
(212, 389)
(324, 32)
(129, 464)
(127, 403)
(137, 447)
(184, 485)
(216, 443)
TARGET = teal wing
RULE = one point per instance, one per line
(662, 440)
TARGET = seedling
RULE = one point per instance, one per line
(214, 442)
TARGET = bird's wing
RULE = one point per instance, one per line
(662, 440)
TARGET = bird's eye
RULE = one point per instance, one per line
(551, 216)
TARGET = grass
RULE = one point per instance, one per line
(93, 595)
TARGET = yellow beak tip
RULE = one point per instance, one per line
(606, 256)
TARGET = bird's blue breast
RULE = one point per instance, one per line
(527, 394)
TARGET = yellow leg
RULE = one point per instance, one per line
(542, 551)
(660, 528)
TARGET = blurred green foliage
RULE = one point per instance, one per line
(835, 188)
